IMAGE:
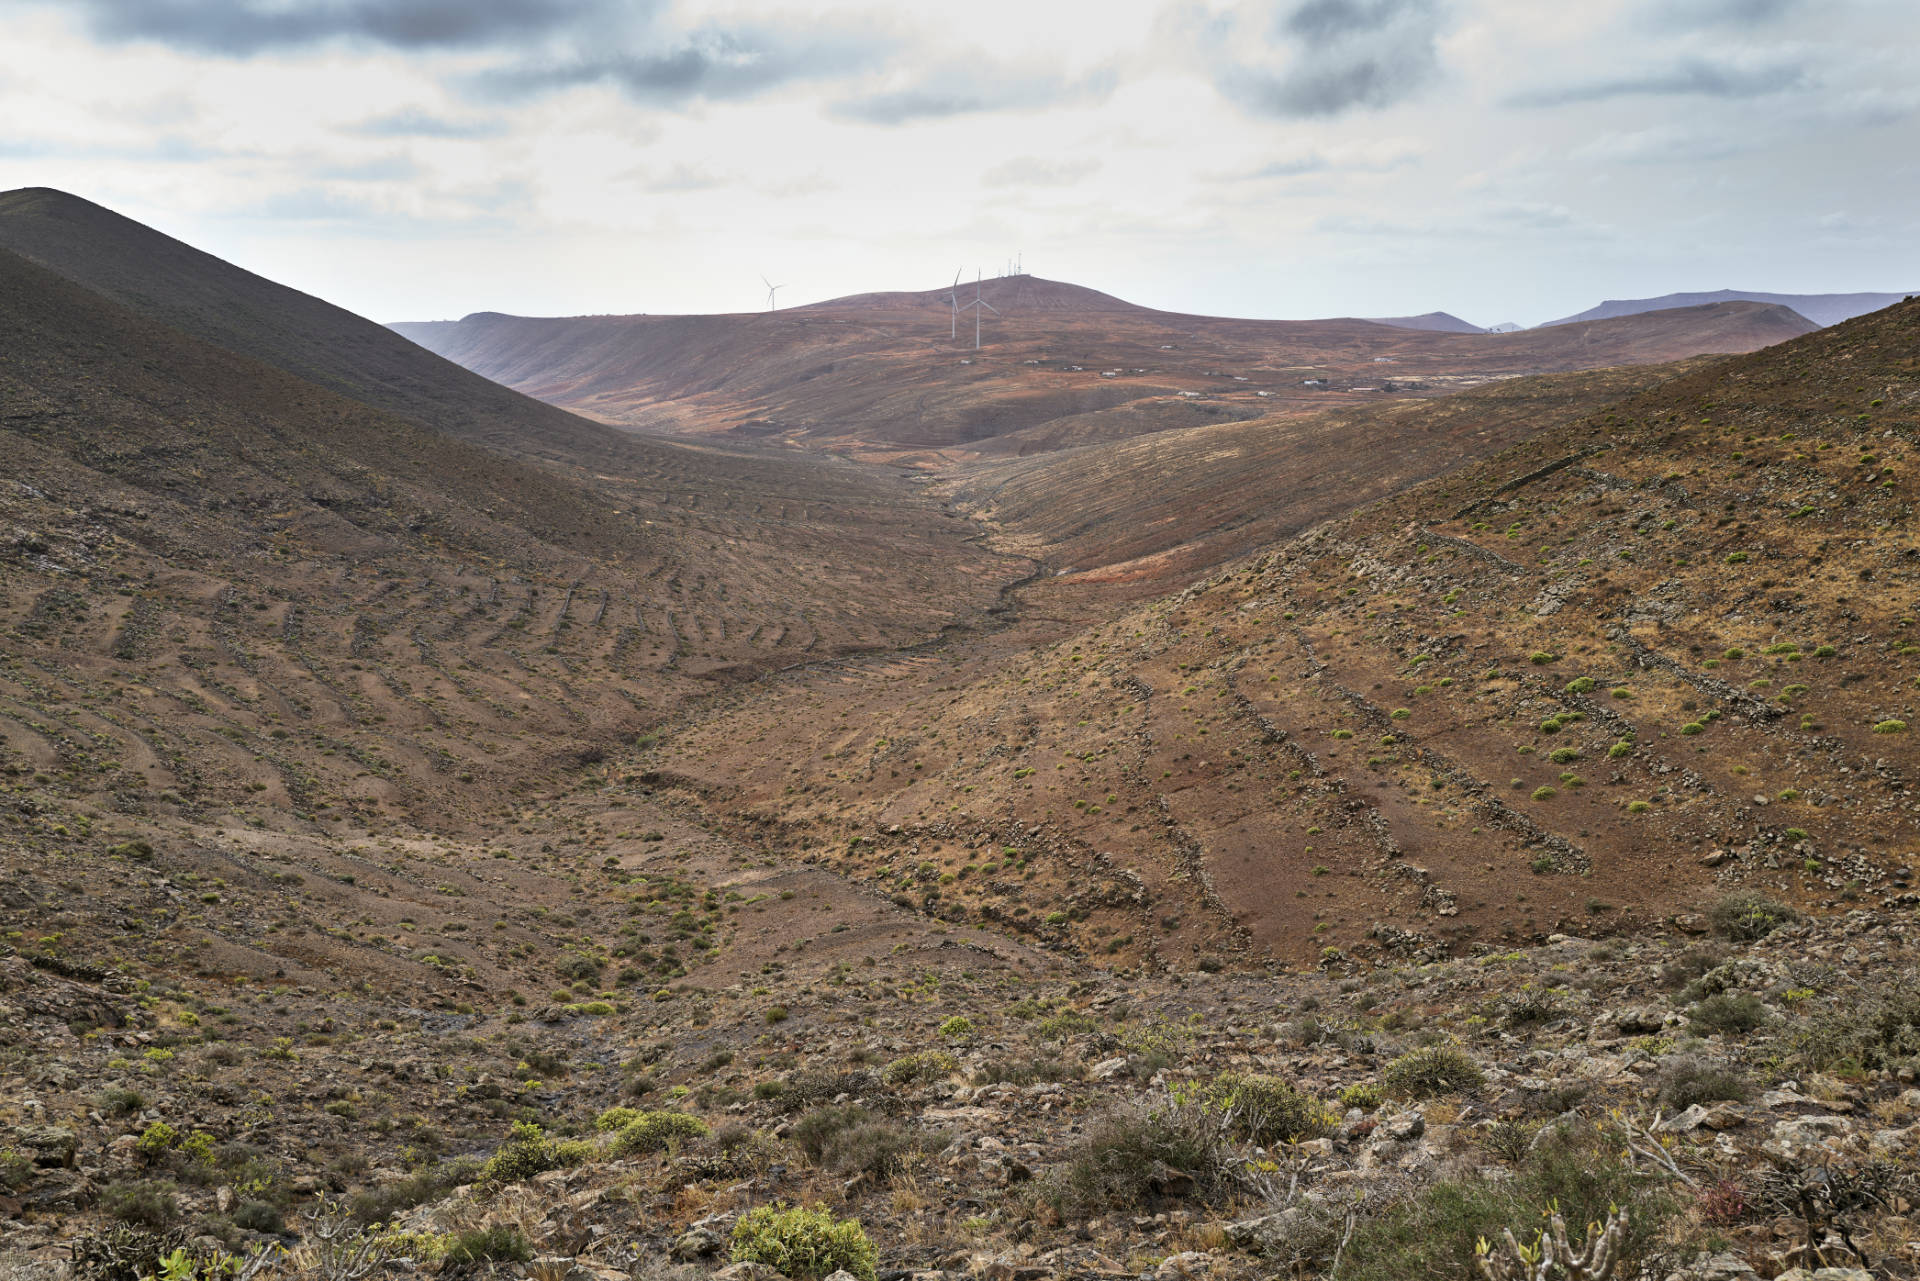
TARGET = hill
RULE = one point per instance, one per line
(1439, 321)
(875, 377)
(173, 283)
(207, 551)
(1821, 309)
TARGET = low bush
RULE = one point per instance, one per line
(145, 1203)
(1880, 1032)
(1686, 1081)
(1746, 917)
(260, 1216)
(1139, 1157)
(1729, 1013)
(1431, 1234)
(500, 1243)
(382, 1204)
(1431, 1070)
(850, 1140)
(803, 1244)
(921, 1068)
(1012, 1071)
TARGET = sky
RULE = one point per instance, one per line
(1505, 160)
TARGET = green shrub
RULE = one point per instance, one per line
(156, 1141)
(16, 1168)
(147, 1203)
(1580, 685)
(957, 1028)
(616, 1118)
(1691, 728)
(116, 1101)
(850, 1140)
(501, 1243)
(1363, 1095)
(1431, 1070)
(1267, 1110)
(1890, 727)
(1734, 1013)
(1542, 657)
(528, 1151)
(919, 1069)
(653, 1131)
(803, 1244)
(1748, 916)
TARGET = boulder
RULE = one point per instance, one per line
(45, 1145)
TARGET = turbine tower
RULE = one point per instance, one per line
(976, 305)
(953, 296)
(772, 289)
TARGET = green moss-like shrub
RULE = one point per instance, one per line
(1431, 1070)
(921, 1068)
(1266, 1109)
(804, 1244)
(653, 1131)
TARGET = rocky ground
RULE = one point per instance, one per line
(1749, 1101)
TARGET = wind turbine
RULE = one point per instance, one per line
(772, 289)
(953, 296)
(975, 306)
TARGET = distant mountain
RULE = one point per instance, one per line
(1433, 321)
(1008, 293)
(1821, 309)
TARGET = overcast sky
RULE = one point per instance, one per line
(1507, 160)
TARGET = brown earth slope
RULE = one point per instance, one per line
(1658, 653)
(874, 375)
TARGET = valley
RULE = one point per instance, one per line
(1076, 827)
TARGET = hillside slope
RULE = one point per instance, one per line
(246, 589)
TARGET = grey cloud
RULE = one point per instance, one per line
(1696, 77)
(1333, 56)
(710, 64)
(970, 89)
(414, 123)
(1742, 13)
(238, 28)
